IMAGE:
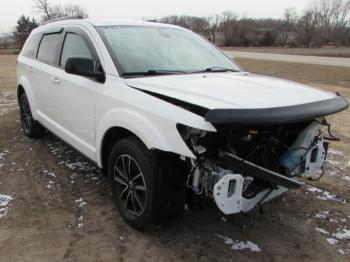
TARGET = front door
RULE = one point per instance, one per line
(76, 96)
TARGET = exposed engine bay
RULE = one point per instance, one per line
(242, 166)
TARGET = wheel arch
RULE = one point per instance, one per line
(24, 86)
(154, 133)
(109, 139)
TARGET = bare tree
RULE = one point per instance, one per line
(332, 17)
(49, 11)
(323, 22)
(228, 25)
(43, 8)
(307, 28)
(213, 24)
(288, 24)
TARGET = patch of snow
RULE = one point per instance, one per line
(80, 225)
(3, 211)
(82, 204)
(332, 241)
(329, 196)
(246, 245)
(323, 194)
(2, 156)
(79, 200)
(322, 231)
(347, 178)
(341, 251)
(322, 214)
(342, 233)
(332, 151)
(240, 245)
(5, 200)
(313, 189)
(51, 174)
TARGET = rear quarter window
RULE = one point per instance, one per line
(31, 48)
(49, 48)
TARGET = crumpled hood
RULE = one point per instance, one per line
(230, 90)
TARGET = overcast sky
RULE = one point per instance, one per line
(133, 9)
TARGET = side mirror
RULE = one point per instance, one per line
(83, 66)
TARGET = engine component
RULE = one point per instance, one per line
(315, 158)
(227, 192)
(307, 154)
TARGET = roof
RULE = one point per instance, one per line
(101, 22)
(105, 22)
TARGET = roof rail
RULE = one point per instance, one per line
(63, 18)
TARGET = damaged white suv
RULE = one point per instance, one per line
(167, 115)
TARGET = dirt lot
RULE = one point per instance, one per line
(325, 51)
(55, 206)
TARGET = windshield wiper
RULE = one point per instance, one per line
(153, 72)
(216, 69)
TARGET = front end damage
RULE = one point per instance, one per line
(246, 163)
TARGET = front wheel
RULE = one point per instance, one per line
(134, 180)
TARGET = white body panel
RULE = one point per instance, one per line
(231, 90)
(81, 111)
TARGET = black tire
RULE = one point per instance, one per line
(137, 200)
(31, 128)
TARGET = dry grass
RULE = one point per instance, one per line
(7, 72)
(330, 51)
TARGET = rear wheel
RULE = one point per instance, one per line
(31, 128)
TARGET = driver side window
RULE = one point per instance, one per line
(74, 46)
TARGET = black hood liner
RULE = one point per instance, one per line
(277, 115)
(198, 110)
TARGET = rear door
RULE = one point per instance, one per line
(45, 69)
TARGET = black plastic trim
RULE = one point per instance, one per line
(259, 172)
(277, 115)
(198, 110)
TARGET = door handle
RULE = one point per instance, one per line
(55, 80)
(30, 69)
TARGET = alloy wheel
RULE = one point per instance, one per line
(130, 184)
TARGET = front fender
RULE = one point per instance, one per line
(164, 137)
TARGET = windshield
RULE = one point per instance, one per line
(142, 49)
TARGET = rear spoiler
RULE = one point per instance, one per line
(277, 115)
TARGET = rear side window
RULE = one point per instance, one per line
(74, 46)
(31, 47)
(49, 48)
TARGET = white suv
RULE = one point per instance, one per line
(168, 116)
